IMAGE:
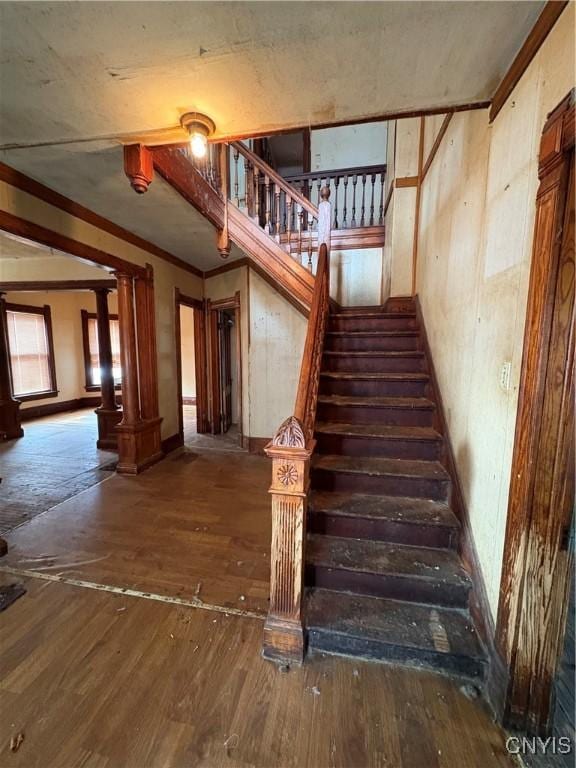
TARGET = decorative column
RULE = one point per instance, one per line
(9, 407)
(108, 413)
(283, 629)
(138, 439)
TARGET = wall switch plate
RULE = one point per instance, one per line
(505, 376)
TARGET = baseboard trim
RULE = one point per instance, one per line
(172, 443)
(255, 444)
(48, 409)
(479, 604)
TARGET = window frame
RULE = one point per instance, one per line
(47, 315)
(89, 385)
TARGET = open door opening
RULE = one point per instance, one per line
(225, 369)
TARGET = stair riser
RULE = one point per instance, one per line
(392, 586)
(367, 388)
(386, 485)
(332, 642)
(373, 324)
(410, 534)
(372, 344)
(400, 417)
(342, 445)
(346, 364)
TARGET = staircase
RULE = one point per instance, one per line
(383, 578)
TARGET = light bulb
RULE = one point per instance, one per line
(198, 144)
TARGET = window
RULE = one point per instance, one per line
(31, 351)
(91, 352)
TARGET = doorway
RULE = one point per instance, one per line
(225, 368)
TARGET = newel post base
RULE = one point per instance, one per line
(10, 426)
(108, 419)
(284, 636)
(139, 446)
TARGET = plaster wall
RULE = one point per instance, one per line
(167, 277)
(356, 276)
(475, 245)
(277, 334)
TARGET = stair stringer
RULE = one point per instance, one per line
(287, 275)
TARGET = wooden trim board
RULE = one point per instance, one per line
(539, 32)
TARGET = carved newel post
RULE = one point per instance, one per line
(283, 630)
(9, 407)
(108, 413)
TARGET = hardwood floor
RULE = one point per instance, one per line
(94, 679)
(138, 643)
(193, 526)
(227, 441)
(56, 459)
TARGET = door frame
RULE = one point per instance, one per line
(212, 309)
(200, 364)
(536, 564)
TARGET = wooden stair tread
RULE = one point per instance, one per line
(411, 403)
(374, 314)
(373, 334)
(391, 622)
(376, 465)
(393, 353)
(369, 376)
(402, 509)
(377, 430)
(383, 559)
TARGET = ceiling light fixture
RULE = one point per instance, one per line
(200, 128)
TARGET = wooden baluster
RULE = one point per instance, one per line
(277, 219)
(248, 202)
(256, 195)
(373, 178)
(236, 153)
(289, 205)
(344, 222)
(310, 219)
(336, 182)
(354, 182)
(319, 185)
(381, 211)
(267, 224)
(363, 199)
(300, 227)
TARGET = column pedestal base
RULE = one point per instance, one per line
(10, 420)
(108, 419)
(139, 446)
(284, 640)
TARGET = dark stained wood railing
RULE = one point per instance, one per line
(291, 449)
(272, 203)
(357, 193)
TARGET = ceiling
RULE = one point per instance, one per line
(72, 73)
(13, 247)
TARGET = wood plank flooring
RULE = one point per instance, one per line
(191, 526)
(56, 459)
(108, 681)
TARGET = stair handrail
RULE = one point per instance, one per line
(275, 177)
(291, 450)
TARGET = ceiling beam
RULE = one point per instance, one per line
(32, 187)
(56, 285)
